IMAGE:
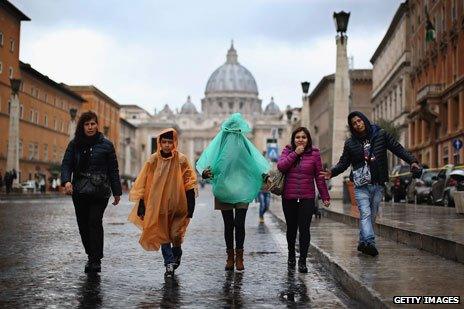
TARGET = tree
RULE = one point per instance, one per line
(390, 127)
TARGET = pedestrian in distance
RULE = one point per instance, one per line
(90, 174)
(301, 164)
(164, 194)
(366, 152)
(237, 171)
(264, 199)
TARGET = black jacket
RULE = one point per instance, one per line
(102, 159)
(381, 141)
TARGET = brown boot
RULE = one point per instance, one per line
(230, 260)
(239, 260)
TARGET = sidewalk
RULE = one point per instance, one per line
(438, 230)
(399, 270)
(29, 195)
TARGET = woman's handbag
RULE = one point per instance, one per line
(276, 182)
(95, 184)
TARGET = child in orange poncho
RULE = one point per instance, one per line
(164, 193)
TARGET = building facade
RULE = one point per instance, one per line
(44, 124)
(231, 88)
(437, 115)
(391, 84)
(129, 164)
(321, 105)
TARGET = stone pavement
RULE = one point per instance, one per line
(42, 261)
(399, 270)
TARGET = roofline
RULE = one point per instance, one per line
(8, 6)
(402, 10)
(26, 67)
(134, 105)
(127, 123)
(92, 88)
(331, 78)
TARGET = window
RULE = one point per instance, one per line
(21, 111)
(1, 67)
(445, 155)
(45, 153)
(31, 151)
(55, 124)
(20, 148)
(46, 120)
(31, 115)
(453, 11)
(45, 97)
(12, 45)
(36, 117)
(1, 39)
(10, 72)
(54, 153)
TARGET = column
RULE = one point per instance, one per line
(12, 159)
(461, 110)
(449, 103)
(127, 157)
(340, 109)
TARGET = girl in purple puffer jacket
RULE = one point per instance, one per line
(301, 164)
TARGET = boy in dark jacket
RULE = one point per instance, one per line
(366, 151)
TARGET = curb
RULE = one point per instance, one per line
(445, 248)
(354, 288)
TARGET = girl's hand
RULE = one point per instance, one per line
(326, 203)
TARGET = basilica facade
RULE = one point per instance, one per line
(231, 88)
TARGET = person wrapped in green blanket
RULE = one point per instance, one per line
(237, 170)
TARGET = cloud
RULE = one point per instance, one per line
(155, 52)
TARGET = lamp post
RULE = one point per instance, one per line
(305, 111)
(342, 91)
(12, 159)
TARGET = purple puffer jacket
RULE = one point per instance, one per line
(300, 174)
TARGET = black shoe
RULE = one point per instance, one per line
(291, 262)
(318, 214)
(361, 247)
(371, 250)
(169, 271)
(95, 267)
(177, 252)
(302, 266)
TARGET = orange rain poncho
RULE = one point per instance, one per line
(162, 184)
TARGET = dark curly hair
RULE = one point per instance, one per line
(79, 135)
(309, 145)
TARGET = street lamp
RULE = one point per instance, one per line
(15, 84)
(305, 87)
(341, 21)
(289, 113)
(73, 113)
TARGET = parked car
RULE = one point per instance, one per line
(400, 178)
(444, 184)
(419, 189)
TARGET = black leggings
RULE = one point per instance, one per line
(89, 213)
(231, 222)
(298, 216)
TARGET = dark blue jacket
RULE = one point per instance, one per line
(381, 141)
(102, 159)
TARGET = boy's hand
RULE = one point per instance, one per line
(207, 174)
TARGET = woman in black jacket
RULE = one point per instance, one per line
(91, 160)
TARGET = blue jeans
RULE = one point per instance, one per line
(368, 198)
(170, 254)
(264, 200)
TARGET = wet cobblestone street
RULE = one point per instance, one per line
(42, 264)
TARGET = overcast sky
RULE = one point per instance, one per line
(155, 52)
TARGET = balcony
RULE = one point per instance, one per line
(430, 92)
